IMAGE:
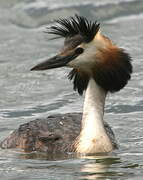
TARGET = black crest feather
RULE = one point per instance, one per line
(73, 26)
(111, 77)
(80, 81)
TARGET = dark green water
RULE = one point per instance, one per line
(27, 95)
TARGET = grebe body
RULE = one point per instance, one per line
(98, 67)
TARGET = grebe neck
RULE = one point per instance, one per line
(93, 137)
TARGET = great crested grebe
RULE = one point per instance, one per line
(98, 67)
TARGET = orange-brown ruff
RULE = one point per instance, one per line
(98, 67)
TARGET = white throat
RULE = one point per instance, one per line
(93, 137)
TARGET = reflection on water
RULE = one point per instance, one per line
(33, 165)
(45, 156)
(101, 168)
(84, 167)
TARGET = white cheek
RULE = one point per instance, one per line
(84, 60)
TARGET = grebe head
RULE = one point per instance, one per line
(90, 54)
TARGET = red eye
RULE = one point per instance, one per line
(79, 50)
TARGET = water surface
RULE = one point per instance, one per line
(27, 95)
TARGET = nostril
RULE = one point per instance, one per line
(79, 50)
